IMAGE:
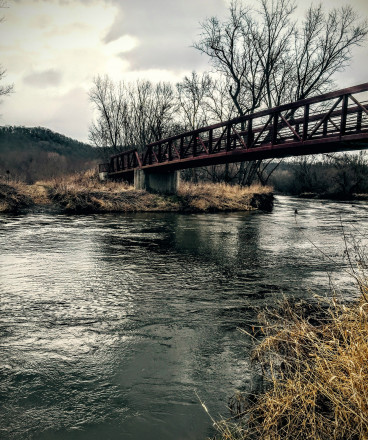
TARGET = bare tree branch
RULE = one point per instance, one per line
(8, 88)
(130, 115)
(268, 59)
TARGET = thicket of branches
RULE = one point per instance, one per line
(5, 89)
(260, 57)
(338, 175)
(130, 115)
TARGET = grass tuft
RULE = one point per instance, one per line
(315, 373)
(225, 197)
(13, 197)
(85, 193)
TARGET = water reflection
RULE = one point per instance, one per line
(110, 322)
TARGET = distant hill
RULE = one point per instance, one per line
(35, 153)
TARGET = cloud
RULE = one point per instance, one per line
(165, 29)
(68, 113)
(154, 55)
(52, 49)
(72, 114)
(45, 78)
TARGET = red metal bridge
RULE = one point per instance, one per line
(336, 121)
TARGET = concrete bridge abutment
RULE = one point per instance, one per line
(163, 183)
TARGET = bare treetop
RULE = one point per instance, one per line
(270, 59)
(8, 88)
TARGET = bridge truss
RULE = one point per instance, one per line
(336, 121)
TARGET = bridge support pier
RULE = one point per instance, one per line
(164, 183)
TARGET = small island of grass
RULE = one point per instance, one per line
(84, 193)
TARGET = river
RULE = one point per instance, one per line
(111, 325)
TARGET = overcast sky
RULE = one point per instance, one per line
(52, 49)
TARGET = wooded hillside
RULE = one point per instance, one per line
(35, 153)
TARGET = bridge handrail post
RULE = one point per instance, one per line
(181, 147)
(305, 122)
(359, 119)
(169, 148)
(228, 138)
(344, 112)
(325, 123)
(159, 153)
(210, 140)
(274, 129)
(250, 135)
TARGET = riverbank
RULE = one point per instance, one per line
(84, 193)
(334, 196)
(313, 364)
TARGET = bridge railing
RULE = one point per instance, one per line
(104, 167)
(338, 115)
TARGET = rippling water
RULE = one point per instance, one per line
(110, 323)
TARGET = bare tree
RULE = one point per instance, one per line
(152, 111)
(218, 104)
(203, 100)
(110, 102)
(191, 95)
(269, 60)
(323, 47)
(350, 172)
(130, 114)
(7, 88)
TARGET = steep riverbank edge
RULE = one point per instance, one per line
(311, 374)
(81, 194)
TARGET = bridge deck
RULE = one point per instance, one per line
(336, 121)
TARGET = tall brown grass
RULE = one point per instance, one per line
(13, 197)
(315, 368)
(225, 197)
(83, 192)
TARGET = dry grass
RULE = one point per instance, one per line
(224, 197)
(83, 192)
(37, 192)
(316, 372)
(13, 197)
(87, 180)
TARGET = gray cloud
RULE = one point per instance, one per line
(155, 54)
(46, 78)
(166, 30)
(71, 115)
(61, 2)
